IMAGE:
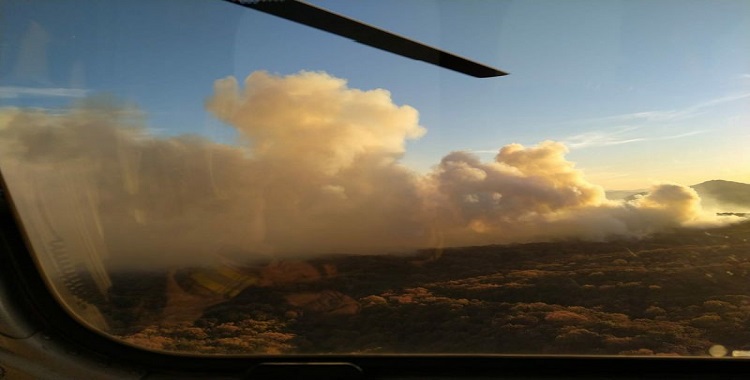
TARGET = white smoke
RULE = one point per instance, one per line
(317, 171)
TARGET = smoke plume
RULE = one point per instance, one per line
(316, 171)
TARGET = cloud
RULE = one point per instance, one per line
(641, 126)
(317, 171)
(618, 137)
(669, 115)
(11, 92)
(602, 138)
(330, 127)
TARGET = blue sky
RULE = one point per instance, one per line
(640, 91)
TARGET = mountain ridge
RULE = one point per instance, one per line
(715, 193)
(724, 192)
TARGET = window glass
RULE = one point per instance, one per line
(200, 177)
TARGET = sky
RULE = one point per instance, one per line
(639, 91)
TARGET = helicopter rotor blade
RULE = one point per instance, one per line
(319, 18)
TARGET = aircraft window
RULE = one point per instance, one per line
(201, 177)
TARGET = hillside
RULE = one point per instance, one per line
(725, 194)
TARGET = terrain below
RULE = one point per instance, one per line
(677, 293)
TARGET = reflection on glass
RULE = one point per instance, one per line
(178, 203)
